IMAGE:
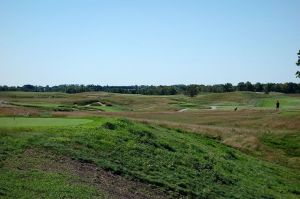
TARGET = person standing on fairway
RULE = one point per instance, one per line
(277, 105)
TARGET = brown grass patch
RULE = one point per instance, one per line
(19, 111)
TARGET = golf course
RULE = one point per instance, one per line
(107, 145)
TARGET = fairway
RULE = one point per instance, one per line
(33, 122)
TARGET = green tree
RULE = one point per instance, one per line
(249, 86)
(258, 87)
(228, 87)
(298, 64)
(241, 86)
(191, 90)
(267, 88)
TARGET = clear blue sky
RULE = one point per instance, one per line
(130, 42)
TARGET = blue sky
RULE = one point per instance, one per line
(148, 42)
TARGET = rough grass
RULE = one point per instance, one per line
(37, 184)
(242, 130)
(9, 122)
(178, 162)
(289, 143)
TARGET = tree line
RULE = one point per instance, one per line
(298, 64)
(190, 90)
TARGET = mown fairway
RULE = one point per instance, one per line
(58, 145)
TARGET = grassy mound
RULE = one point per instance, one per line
(178, 162)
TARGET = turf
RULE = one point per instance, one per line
(183, 163)
(38, 184)
(9, 122)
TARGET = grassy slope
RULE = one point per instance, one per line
(184, 163)
(32, 122)
(39, 184)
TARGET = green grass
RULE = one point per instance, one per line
(39, 184)
(286, 102)
(20, 94)
(9, 122)
(243, 100)
(223, 101)
(289, 143)
(86, 104)
(181, 162)
(38, 105)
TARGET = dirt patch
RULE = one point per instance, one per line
(114, 186)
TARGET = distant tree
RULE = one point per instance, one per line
(172, 91)
(28, 87)
(4, 88)
(241, 86)
(290, 87)
(228, 87)
(47, 88)
(298, 64)
(249, 86)
(278, 88)
(267, 88)
(217, 88)
(191, 90)
(258, 87)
